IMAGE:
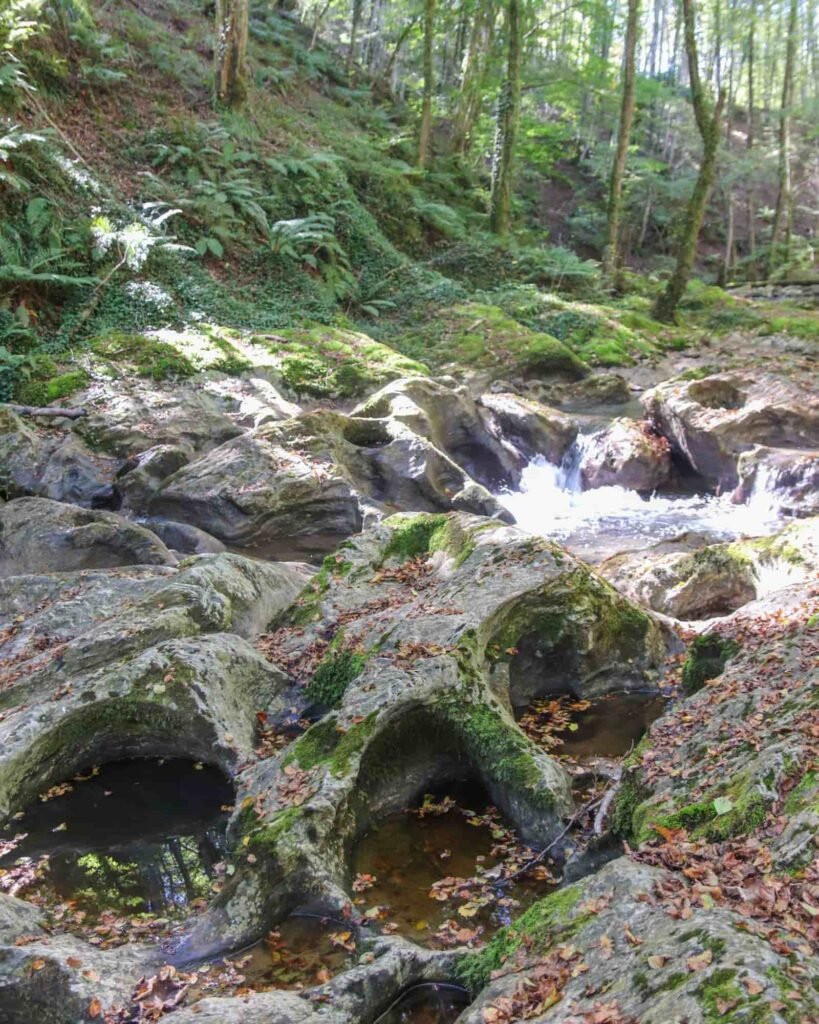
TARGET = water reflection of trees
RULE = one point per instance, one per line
(159, 877)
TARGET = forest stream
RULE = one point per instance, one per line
(409, 512)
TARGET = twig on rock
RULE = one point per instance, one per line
(74, 413)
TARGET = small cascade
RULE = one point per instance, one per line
(599, 522)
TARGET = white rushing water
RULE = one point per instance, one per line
(599, 522)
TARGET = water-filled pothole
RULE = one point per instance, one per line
(447, 872)
(427, 1003)
(606, 727)
(142, 837)
(303, 951)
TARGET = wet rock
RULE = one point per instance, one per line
(182, 537)
(145, 661)
(788, 479)
(304, 482)
(52, 979)
(39, 535)
(362, 993)
(52, 464)
(710, 422)
(627, 454)
(688, 579)
(532, 428)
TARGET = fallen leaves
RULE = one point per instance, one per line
(160, 993)
(700, 961)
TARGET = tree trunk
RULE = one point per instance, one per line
(231, 51)
(784, 197)
(503, 163)
(426, 103)
(750, 140)
(358, 6)
(611, 254)
(708, 123)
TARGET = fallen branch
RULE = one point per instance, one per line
(75, 413)
(605, 806)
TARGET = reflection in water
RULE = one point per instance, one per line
(606, 520)
(429, 1003)
(131, 836)
(608, 726)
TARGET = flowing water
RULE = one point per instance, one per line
(130, 836)
(596, 523)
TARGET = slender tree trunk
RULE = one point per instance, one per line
(784, 199)
(750, 139)
(481, 41)
(611, 254)
(708, 123)
(399, 42)
(426, 103)
(358, 7)
(231, 51)
(503, 163)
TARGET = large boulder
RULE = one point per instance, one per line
(146, 661)
(688, 578)
(304, 484)
(39, 535)
(411, 647)
(52, 463)
(447, 416)
(625, 947)
(627, 453)
(532, 428)
(710, 422)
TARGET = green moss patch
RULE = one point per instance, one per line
(147, 356)
(47, 385)
(543, 924)
(483, 336)
(706, 659)
(334, 673)
(327, 361)
(325, 743)
(422, 534)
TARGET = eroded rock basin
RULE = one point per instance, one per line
(142, 837)
(582, 730)
(431, 1003)
(448, 872)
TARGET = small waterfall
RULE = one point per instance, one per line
(595, 523)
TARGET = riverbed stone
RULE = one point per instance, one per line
(40, 535)
(304, 484)
(688, 578)
(712, 421)
(405, 647)
(534, 429)
(627, 453)
(785, 478)
(52, 463)
(625, 957)
(446, 415)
